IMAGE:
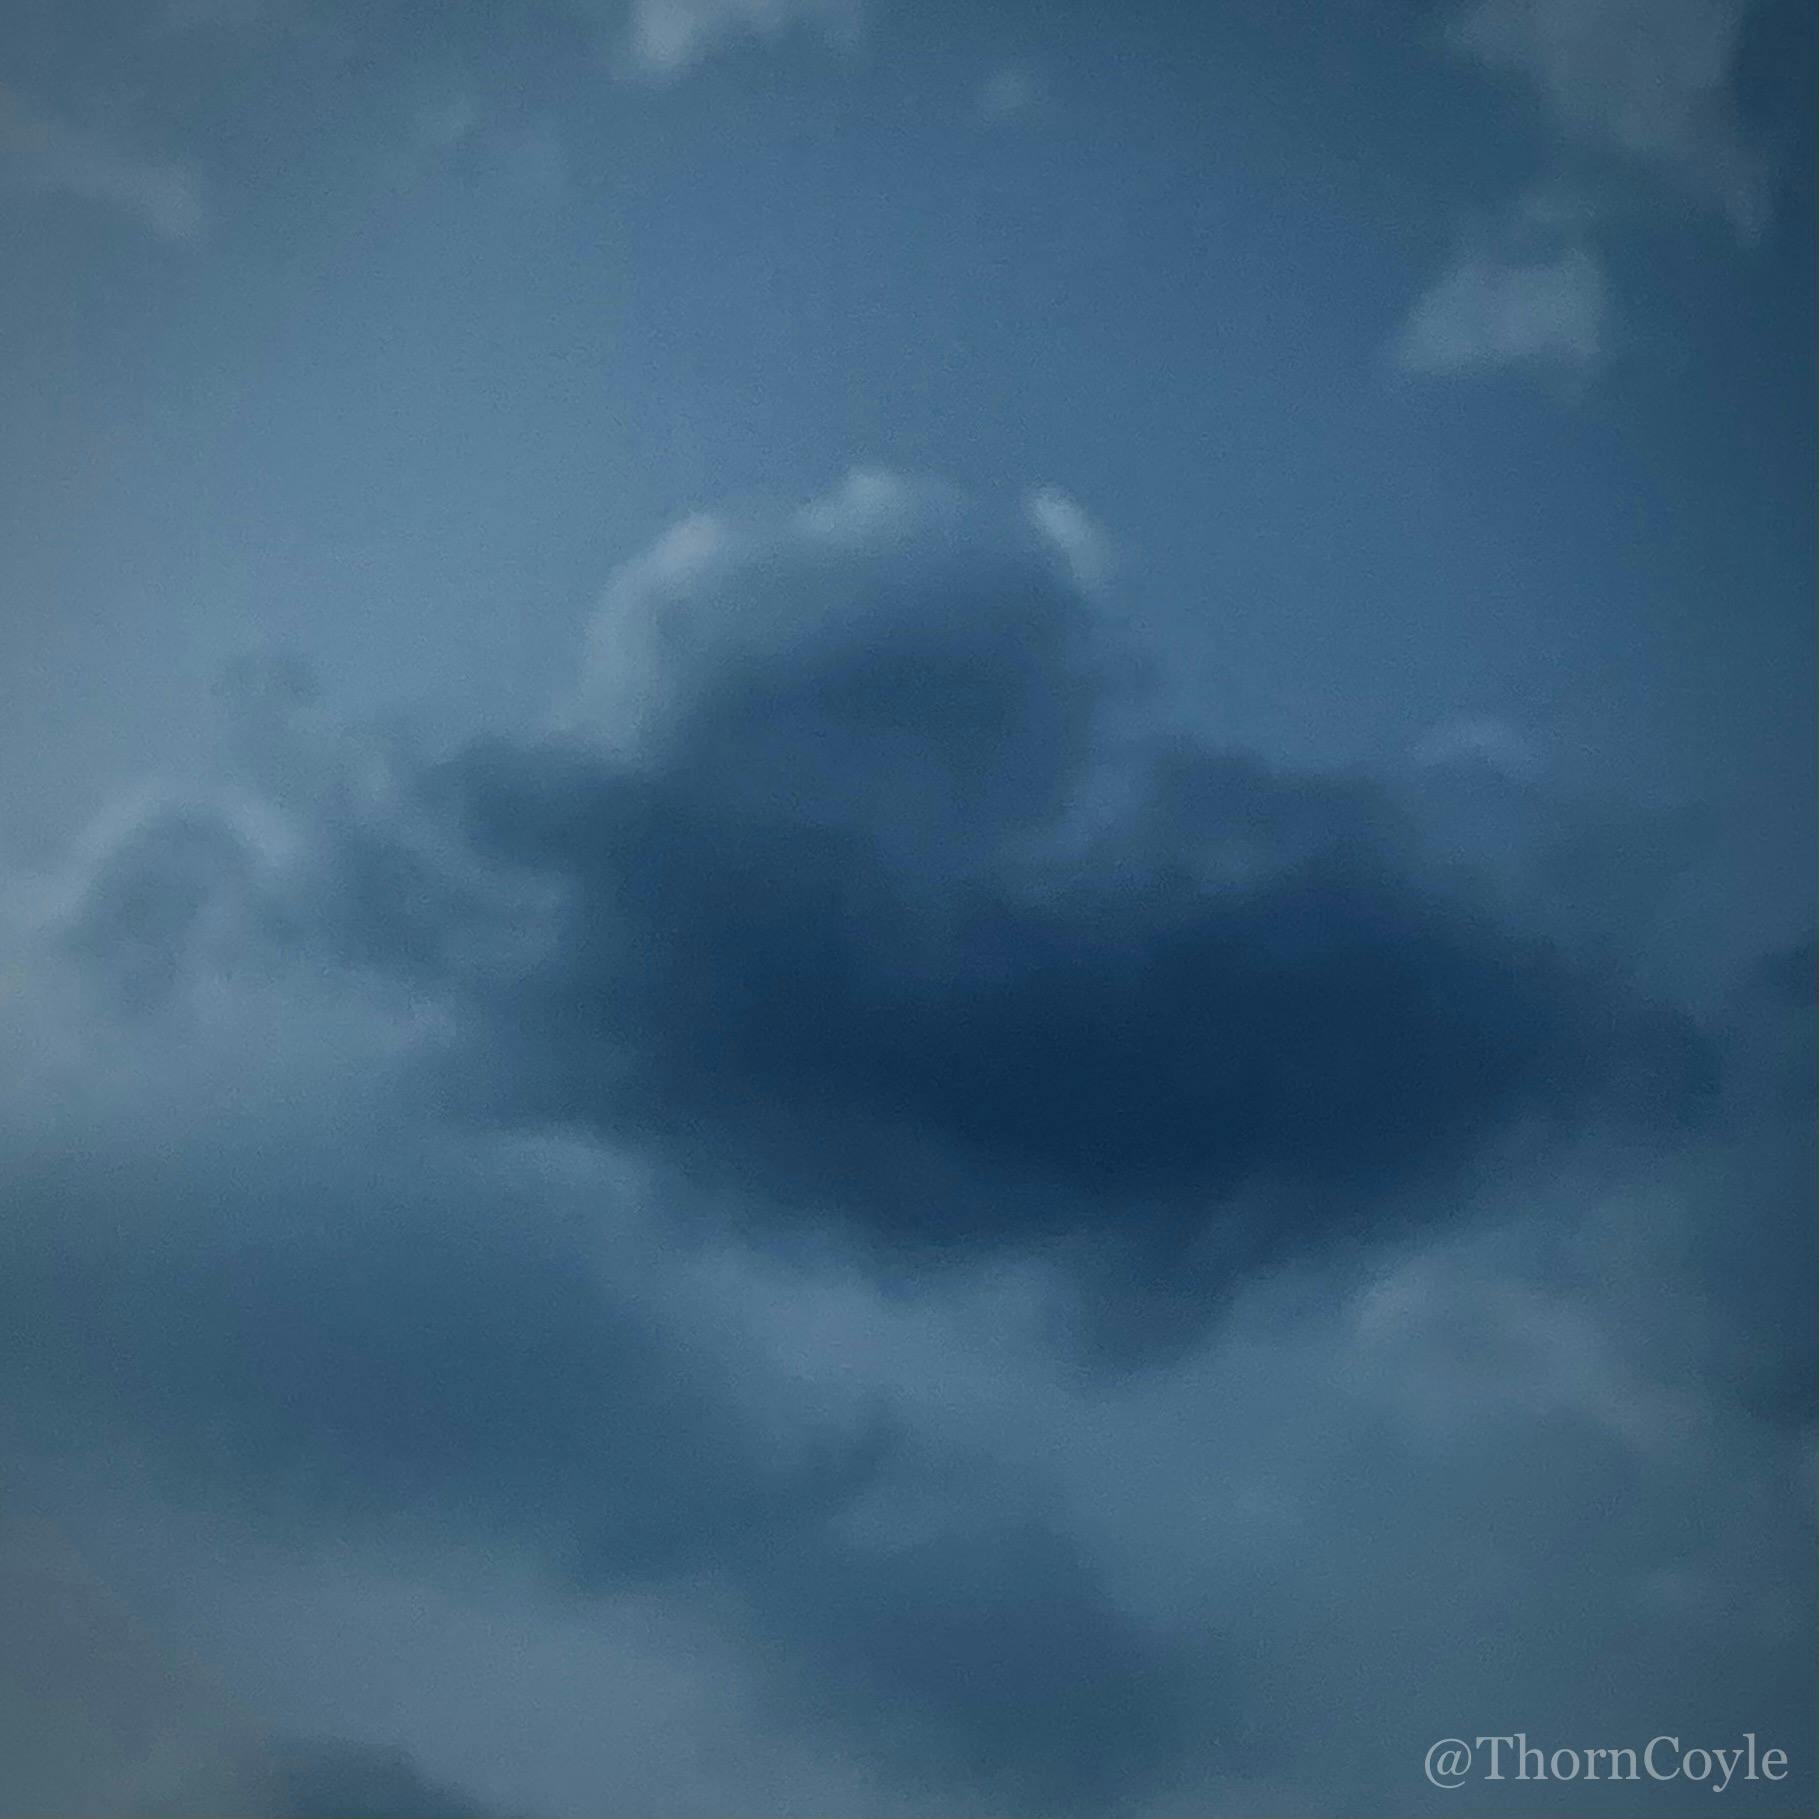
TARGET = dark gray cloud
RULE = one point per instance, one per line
(895, 1158)
(989, 1643)
(770, 1001)
(298, 1298)
(365, 1344)
(850, 893)
(877, 915)
(525, 1151)
(863, 902)
(359, 1335)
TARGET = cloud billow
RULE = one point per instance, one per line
(871, 910)
(853, 889)
(854, 913)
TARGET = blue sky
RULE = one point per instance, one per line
(830, 813)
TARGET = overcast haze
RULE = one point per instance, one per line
(907, 908)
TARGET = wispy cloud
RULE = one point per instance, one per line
(1488, 740)
(1082, 545)
(50, 157)
(1636, 97)
(1011, 92)
(1494, 307)
(450, 126)
(1646, 80)
(668, 37)
(223, 15)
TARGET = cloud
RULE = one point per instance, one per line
(371, 1330)
(848, 894)
(1084, 544)
(382, 1347)
(98, 1714)
(1644, 80)
(250, 1259)
(1637, 94)
(575, 1220)
(44, 156)
(1549, 313)
(1010, 93)
(871, 912)
(993, 1641)
(324, 1779)
(668, 37)
(447, 128)
(1480, 739)
(95, 1716)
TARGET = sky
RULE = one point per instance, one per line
(907, 908)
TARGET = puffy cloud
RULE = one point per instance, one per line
(848, 894)
(1551, 313)
(1632, 89)
(325, 1309)
(369, 1339)
(524, 1154)
(873, 913)
(249, 1258)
